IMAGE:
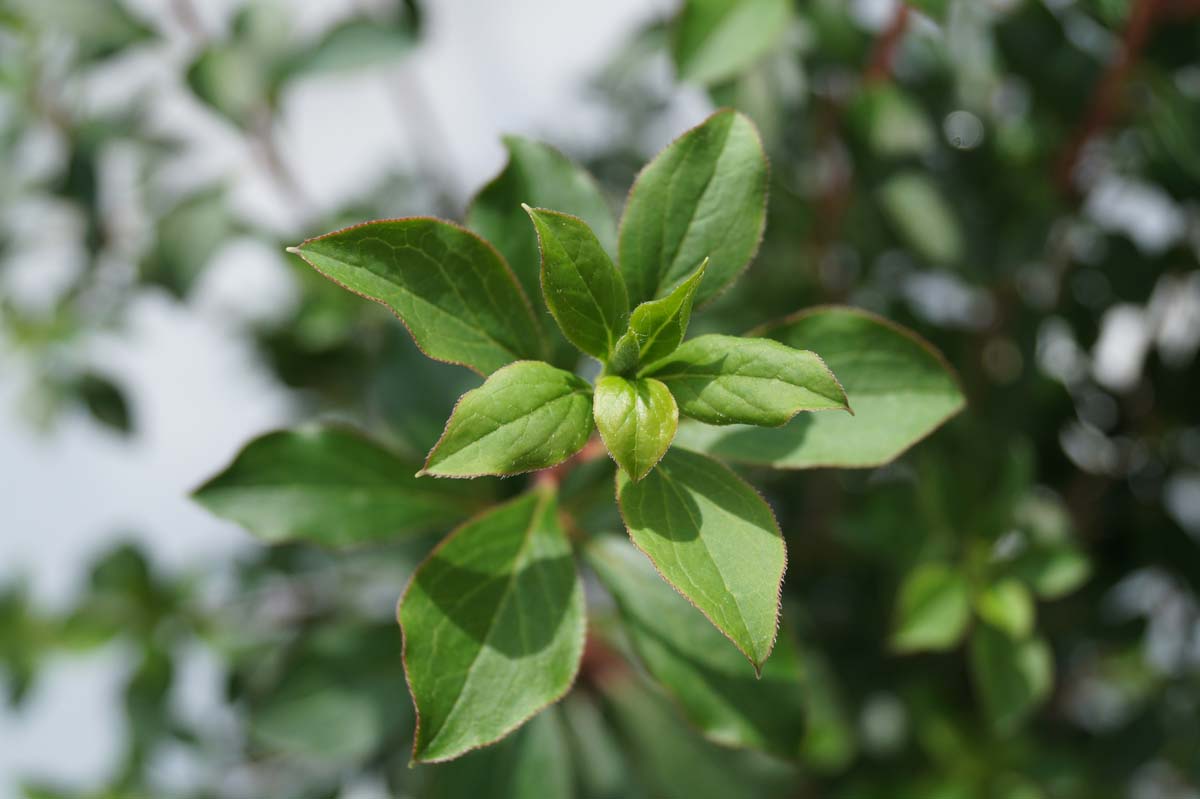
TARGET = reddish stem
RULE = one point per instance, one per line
(1106, 96)
(883, 54)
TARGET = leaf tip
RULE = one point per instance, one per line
(292, 250)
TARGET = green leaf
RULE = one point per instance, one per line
(493, 627)
(671, 760)
(527, 416)
(233, 81)
(1053, 570)
(582, 288)
(334, 695)
(934, 8)
(637, 420)
(657, 326)
(922, 217)
(540, 176)
(933, 609)
(729, 380)
(354, 44)
(104, 400)
(535, 763)
(329, 485)
(894, 124)
(715, 540)
(718, 39)
(829, 744)
(624, 359)
(703, 197)
(313, 719)
(1011, 677)
(899, 386)
(187, 237)
(453, 292)
(1008, 606)
(96, 28)
(717, 689)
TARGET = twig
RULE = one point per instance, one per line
(883, 54)
(189, 19)
(263, 136)
(835, 199)
(1106, 96)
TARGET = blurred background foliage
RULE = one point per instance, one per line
(1010, 611)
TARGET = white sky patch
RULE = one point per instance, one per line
(1143, 212)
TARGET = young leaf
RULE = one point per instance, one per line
(329, 485)
(453, 292)
(715, 40)
(659, 325)
(730, 380)
(899, 386)
(715, 540)
(542, 177)
(624, 358)
(527, 416)
(493, 627)
(637, 420)
(1008, 606)
(703, 196)
(1011, 677)
(582, 288)
(715, 686)
(933, 609)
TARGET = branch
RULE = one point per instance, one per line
(1106, 96)
(883, 54)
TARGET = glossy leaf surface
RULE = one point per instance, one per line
(451, 289)
(527, 416)
(899, 386)
(637, 420)
(330, 485)
(714, 539)
(493, 627)
(718, 690)
(730, 380)
(581, 286)
(702, 197)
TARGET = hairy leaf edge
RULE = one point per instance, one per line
(674, 433)
(317, 426)
(299, 250)
(650, 372)
(778, 587)
(530, 211)
(912, 335)
(507, 139)
(546, 490)
(424, 470)
(762, 228)
(674, 696)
